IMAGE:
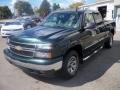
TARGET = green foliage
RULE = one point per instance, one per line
(5, 12)
(76, 5)
(23, 7)
(44, 9)
(56, 6)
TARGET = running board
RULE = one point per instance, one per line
(84, 59)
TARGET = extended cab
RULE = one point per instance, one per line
(61, 42)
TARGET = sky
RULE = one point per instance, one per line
(36, 3)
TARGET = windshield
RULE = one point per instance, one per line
(12, 23)
(67, 20)
(23, 20)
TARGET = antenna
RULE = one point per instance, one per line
(76, 9)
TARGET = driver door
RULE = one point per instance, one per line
(89, 35)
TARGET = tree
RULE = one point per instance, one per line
(23, 7)
(5, 12)
(44, 9)
(76, 5)
(56, 6)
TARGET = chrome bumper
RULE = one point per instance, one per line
(55, 66)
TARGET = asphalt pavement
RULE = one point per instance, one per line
(100, 72)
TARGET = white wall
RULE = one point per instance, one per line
(117, 2)
(117, 6)
(110, 8)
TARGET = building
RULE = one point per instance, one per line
(117, 13)
(109, 9)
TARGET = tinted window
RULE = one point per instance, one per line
(89, 20)
(98, 17)
(12, 23)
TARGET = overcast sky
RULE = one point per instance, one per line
(36, 3)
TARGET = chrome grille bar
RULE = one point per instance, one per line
(26, 50)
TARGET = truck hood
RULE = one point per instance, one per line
(43, 34)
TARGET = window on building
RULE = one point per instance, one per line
(103, 11)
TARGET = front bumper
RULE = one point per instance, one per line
(34, 64)
(8, 33)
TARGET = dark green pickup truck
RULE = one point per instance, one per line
(61, 42)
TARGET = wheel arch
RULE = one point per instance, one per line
(112, 31)
(78, 49)
(113, 28)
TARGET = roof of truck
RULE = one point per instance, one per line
(76, 10)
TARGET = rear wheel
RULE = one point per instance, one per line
(109, 43)
(70, 65)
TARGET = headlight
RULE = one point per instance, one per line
(43, 50)
(44, 46)
(43, 55)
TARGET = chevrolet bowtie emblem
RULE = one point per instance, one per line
(18, 48)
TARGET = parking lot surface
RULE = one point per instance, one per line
(100, 72)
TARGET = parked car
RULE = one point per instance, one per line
(11, 27)
(1, 24)
(35, 19)
(27, 22)
(61, 42)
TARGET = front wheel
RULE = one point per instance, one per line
(70, 65)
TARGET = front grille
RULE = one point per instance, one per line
(22, 53)
(21, 44)
(26, 50)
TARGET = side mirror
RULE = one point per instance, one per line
(89, 26)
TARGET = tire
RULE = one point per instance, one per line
(70, 65)
(4, 36)
(109, 43)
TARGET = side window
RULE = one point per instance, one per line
(89, 20)
(98, 17)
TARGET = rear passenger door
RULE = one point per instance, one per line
(100, 27)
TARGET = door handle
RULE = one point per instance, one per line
(97, 31)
